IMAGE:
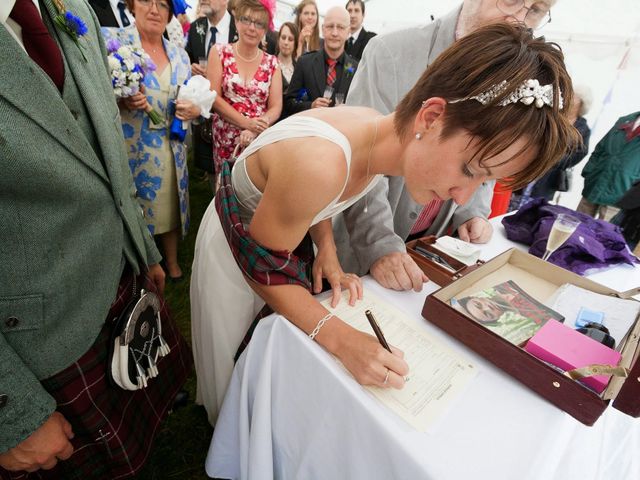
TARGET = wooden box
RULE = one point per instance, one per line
(540, 279)
(435, 271)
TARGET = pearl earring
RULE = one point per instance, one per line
(418, 136)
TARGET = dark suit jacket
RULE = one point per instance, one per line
(358, 46)
(310, 77)
(104, 12)
(195, 41)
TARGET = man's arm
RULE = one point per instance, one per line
(293, 100)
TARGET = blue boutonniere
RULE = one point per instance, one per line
(70, 24)
(349, 69)
(303, 95)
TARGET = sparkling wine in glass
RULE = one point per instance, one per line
(562, 229)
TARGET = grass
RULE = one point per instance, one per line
(182, 444)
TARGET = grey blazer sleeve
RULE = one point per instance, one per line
(367, 90)
(362, 238)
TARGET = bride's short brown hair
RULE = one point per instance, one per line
(480, 61)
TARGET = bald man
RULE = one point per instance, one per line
(330, 66)
(390, 66)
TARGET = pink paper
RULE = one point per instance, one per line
(567, 349)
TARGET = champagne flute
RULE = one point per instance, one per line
(328, 92)
(563, 227)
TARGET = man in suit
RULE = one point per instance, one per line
(330, 66)
(73, 240)
(217, 26)
(358, 36)
(390, 66)
(112, 13)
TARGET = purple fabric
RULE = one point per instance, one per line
(595, 243)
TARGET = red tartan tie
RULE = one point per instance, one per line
(427, 216)
(331, 71)
(37, 40)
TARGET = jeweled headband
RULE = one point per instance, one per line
(529, 92)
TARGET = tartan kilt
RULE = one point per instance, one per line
(114, 428)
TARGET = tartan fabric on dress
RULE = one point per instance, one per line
(114, 428)
(264, 266)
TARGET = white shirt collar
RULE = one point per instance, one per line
(355, 34)
(12, 27)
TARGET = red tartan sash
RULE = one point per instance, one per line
(267, 267)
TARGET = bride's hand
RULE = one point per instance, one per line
(369, 362)
(326, 265)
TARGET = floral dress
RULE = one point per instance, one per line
(158, 164)
(250, 99)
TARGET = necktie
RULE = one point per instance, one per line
(331, 71)
(427, 216)
(350, 43)
(38, 42)
(212, 40)
(123, 15)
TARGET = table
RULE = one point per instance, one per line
(291, 412)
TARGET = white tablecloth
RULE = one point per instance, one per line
(292, 413)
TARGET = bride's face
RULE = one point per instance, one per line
(449, 169)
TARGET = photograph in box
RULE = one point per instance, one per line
(507, 310)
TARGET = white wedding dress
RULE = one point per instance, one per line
(223, 305)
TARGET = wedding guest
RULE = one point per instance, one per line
(75, 250)
(358, 36)
(547, 186)
(308, 23)
(612, 168)
(322, 77)
(248, 82)
(216, 26)
(112, 13)
(390, 66)
(287, 41)
(449, 134)
(158, 163)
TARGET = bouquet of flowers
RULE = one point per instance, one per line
(128, 66)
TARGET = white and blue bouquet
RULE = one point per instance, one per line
(128, 66)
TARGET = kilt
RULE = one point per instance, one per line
(114, 428)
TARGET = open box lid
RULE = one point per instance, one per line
(540, 279)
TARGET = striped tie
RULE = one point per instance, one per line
(427, 216)
(331, 71)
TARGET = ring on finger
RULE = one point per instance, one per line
(386, 377)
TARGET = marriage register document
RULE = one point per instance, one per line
(437, 374)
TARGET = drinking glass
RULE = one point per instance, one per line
(202, 62)
(563, 227)
(339, 99)
(328, 92)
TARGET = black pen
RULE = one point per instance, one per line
(434, 256)
(376, 330)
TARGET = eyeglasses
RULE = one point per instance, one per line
(160, 5)
(260, 25)
(537, 16)
(338, 26)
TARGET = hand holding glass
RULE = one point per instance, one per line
(562, 229)
(328, 92)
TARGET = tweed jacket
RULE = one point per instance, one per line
(389, 68)
(68, 214)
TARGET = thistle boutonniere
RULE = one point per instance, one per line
(70, 24)
(200, 30)
(349, 69)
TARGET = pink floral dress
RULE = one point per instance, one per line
(249, 99)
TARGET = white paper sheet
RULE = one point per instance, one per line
(437, 373)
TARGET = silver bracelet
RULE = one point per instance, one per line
(322, 321)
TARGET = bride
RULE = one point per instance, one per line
(490, 107)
